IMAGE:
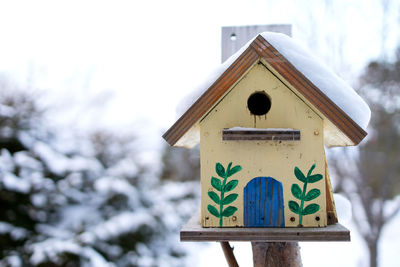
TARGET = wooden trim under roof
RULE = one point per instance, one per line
(262, 49)
(211, 96)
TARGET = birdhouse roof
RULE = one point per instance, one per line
(345, 113)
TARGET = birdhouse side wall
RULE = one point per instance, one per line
(253, 183)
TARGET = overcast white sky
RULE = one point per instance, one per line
(139, 58)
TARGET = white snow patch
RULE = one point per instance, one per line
(122, 223)
(322, 77)
(39, 200)
(14, 261)
(7, 111)
(15, 183)
(112, 184)
(343, 208)
(52, 248)
(16, 233)
(60, 164)
(6, 161)
(23, 159)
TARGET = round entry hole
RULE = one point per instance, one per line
(259, 103)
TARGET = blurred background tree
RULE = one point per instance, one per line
(84, 200)
(370, 175)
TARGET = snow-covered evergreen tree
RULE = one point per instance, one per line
(87, 201)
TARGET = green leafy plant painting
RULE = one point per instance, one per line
(222, 185)
(303, 195)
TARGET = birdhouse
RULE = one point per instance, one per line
(263, 123)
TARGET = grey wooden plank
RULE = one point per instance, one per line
(234, 37)
(257, 134)
(193, 232)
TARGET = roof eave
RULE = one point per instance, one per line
(262, 49)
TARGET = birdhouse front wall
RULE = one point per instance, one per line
(262, 183)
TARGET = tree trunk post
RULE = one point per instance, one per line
(373, 253)
(276, 254)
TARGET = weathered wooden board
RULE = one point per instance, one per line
(257, 134)
(193, 232)
(234, 37)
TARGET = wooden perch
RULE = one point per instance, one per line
(260, 134)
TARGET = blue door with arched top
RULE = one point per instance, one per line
(263, 203)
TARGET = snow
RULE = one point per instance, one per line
(343, 208)
(14, 183)
(6, 161)
(123, 223)
(23, 159)
(52, 248)
(16, 233)
(328, 82)
(60, 164)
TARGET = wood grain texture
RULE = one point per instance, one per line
(276, 254)
(273, 135)
(263, 203)
(193, 232)
(330, 203)
(261, 49)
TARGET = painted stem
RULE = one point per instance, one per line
(303, 194)
(222, 197)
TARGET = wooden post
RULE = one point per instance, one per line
(276, 254)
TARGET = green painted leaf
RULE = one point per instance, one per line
(293, 206)
(230, 186)
(312, 194)
(229, 211)
(216, 183)
(220, 170)
(234, 170)
(310, 209)
(296, 191)
(314, 178)
(213, 211)
(229, 199)
(311, 169)
(299, 175)
(214, 197)
(229, 168)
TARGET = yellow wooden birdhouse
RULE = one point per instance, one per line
(262, 124)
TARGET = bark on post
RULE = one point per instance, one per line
(276, 254)
(229, 256)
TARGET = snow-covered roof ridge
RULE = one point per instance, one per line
(322, 77)
(346, 113)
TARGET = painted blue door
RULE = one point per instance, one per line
(263, 203)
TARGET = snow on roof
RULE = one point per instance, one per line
(321, 76)
(312, 68)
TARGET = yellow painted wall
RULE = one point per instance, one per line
(275, 159)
